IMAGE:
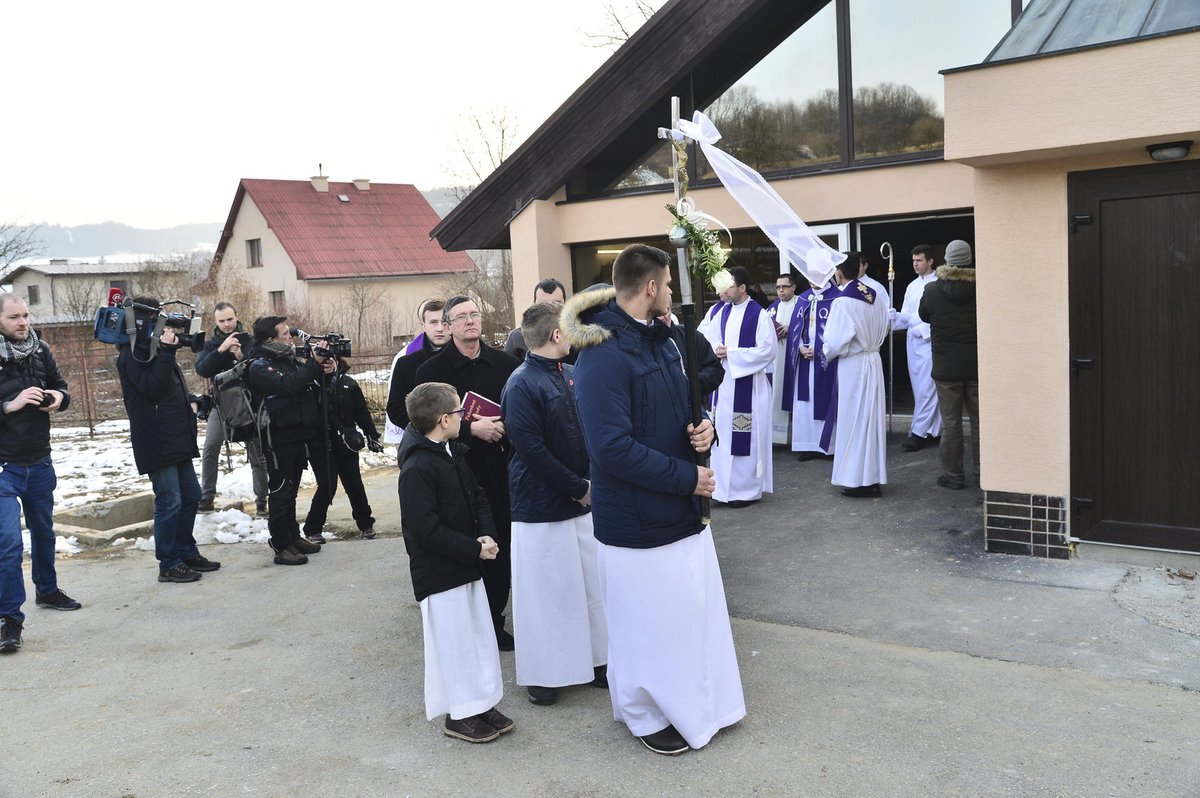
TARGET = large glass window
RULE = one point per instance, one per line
(654, 169)
(896, 52)
(784, 112)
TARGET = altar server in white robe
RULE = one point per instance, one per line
(857, 327)
(558, 612)
(782, 311)
(927, 421)
(743, 338)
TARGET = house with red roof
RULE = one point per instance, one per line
(354, 257)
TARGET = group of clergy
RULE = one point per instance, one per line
(807, 372)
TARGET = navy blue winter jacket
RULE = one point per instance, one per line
(549, 465)
(633, 402)
(162, 424)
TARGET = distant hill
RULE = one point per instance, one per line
(110, 238)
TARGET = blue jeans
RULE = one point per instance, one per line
(176, 495)
(34, 486)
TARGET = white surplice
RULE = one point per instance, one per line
(743, 478)
(462, 662)
(853, 335)
(780, 418)
(558, 614)
(926, 418)
(671, 659)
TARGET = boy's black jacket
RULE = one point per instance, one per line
(442, 512)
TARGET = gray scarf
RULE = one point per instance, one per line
(279, 351)
(16, 351)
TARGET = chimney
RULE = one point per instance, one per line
(320, 183)
(362, 184)
(58, 261)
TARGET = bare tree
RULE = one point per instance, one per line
(78, 298)
(485, 139)
(17, 242)
(621, 21)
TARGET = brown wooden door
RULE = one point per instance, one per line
(1135, 355)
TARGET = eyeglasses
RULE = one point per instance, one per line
(460, 411)
(474, 315)
(784, 285)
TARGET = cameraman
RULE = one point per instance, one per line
(345, 407)
(288, 388)
(162, 431)
(222, 349)
(31, 387)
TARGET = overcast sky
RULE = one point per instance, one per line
(148, 113)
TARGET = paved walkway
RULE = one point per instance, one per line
(883, 654)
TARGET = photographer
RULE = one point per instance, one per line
(222, 349)
(346, 408)
(288, 388)
(162, 431)
(31, 387)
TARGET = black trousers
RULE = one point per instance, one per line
(344, 466)
(492, 475)
(285, 466)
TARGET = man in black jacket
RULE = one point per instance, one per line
(162, 431)
(221, 350)
(948, 305)
(469, 364)
(435, 334)
(288, 388)
(347, 413)
(31, 387)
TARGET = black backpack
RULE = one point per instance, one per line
(241, 417)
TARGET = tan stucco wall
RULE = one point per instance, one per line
(393, 302)
(538, 251)
(542, 233)
(278, 273)
(1073, 104)
(1022, 236)
(1025, 126)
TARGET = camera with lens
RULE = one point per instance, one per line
(187, 329)
(47, 399)
(337, 345)
(141, 325)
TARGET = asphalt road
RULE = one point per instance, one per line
(882, 653)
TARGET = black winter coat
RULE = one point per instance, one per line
(948, 305)
(442, 513)
(25, 433)
(162, 424)
(404, 379)
(549, 465)
(210, 362)
(289, 389)
(348, 406)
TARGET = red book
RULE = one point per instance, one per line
(477, 405)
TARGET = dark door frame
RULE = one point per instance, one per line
(1086, 191)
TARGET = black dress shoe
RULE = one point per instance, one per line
(668, 742)
(601, 673)
(913, 443)
(864, 492)
(804, 457)
(738, 504)
(542, 696)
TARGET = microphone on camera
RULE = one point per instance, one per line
(296, 332)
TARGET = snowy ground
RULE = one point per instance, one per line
(98, 468)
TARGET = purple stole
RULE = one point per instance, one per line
(743, 387)
(415, 345)
(798, 335)
(851, 290)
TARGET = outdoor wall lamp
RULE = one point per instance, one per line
(1170, 150)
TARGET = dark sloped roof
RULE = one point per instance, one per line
(1048, 26)
(691, 48)
(380, 232)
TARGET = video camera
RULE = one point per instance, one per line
(338, 344)
(137, 324)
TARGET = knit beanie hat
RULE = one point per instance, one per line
(958, 253)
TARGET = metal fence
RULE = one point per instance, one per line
(90, 369)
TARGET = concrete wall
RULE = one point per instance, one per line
(386, 307)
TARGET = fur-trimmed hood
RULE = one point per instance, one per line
(576, 318)
(964, 274)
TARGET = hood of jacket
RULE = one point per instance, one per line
(957, 283)
(414, 440)
(578, 321)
